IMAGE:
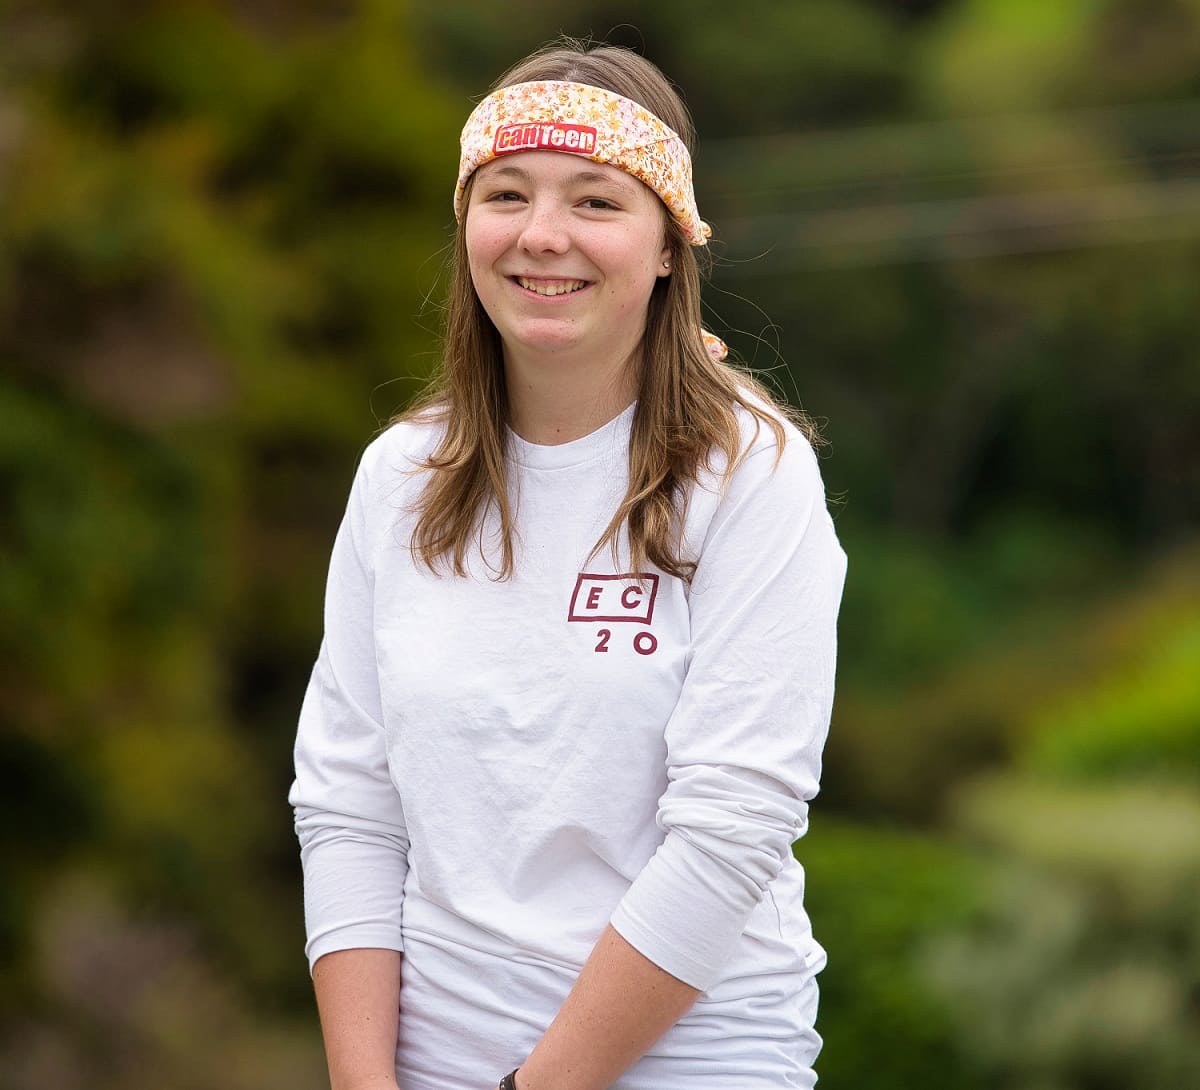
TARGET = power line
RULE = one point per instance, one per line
(970, 227)
(940, 190)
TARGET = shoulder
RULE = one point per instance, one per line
(389, 477)
(771, 491)
(400, 450)
(758, 434)
(773, 453)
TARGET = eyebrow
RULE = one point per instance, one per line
(580, 177)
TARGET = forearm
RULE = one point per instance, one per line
(358, 997)
(620, 1005)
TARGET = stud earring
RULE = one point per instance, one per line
(666, 264)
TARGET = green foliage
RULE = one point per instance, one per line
(1089, 953)
(818, 59)
(133, 1003)
(1142, 718)
(214, 242)
(1006, 54)
(877, 899)
(949, 651)
(917, 607)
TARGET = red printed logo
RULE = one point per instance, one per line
(626, 597)
(545, 135)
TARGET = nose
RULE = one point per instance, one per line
(545, 228)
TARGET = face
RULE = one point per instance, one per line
(564, 254)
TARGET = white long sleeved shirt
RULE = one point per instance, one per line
(489, 771)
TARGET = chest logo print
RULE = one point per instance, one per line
(627, 597)
(613, 599)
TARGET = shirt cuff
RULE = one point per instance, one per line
(685, 912)
(353, 894)
(361, 936)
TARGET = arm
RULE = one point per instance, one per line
(358, 995)
(620, 1005)
(743, 758)
(350, 823)
(745, 739)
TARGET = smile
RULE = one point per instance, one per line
(550, 287)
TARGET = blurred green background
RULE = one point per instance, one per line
(964, 233)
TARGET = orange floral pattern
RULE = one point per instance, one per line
(628, 136)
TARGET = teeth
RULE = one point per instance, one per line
(551, 287)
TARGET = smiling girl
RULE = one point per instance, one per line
(579, 648)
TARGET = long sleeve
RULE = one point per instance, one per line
(744, 741)
(349, 818)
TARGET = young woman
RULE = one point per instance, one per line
(579, 650)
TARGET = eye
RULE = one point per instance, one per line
(504, 196)
(598, 204)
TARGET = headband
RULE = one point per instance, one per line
(588, 121)
(552, 115)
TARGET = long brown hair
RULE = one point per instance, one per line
(685, 411)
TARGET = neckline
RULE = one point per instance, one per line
(604, 441)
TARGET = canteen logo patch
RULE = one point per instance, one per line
(551, 135)
(616, 599)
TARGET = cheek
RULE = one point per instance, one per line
(484, 245)
(638, 278)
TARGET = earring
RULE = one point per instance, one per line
(666, 264)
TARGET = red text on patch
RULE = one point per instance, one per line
(548, 135)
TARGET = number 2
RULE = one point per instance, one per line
(604, 635)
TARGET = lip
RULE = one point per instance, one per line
(584, 283)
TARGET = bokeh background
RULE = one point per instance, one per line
(963, 233)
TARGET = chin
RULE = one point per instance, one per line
(543, 342)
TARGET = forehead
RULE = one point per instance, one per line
(560, 169)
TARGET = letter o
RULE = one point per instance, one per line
(644, 643)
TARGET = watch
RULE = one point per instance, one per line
(509, 1082)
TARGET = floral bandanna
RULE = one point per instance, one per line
(551, 115)
(588, 121)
